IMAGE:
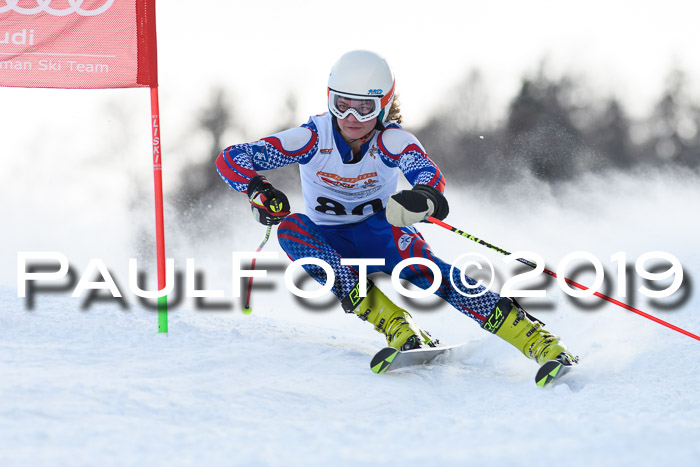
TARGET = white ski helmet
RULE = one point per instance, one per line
(364, 83)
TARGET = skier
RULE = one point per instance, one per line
(350, 159)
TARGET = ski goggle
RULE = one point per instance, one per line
(363, 108)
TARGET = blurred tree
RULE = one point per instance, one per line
(674, 125)
(609, 135)
(460, 136)
(204, 203)
(540, 133)
(216, 119)
(201, 188)
(287, 178)
(288, 114)
(555, 131)
(551, 130)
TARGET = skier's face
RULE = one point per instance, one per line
(351, 129)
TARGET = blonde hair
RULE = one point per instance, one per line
(395, 111)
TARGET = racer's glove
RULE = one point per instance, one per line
(269, 205)
(411, 206)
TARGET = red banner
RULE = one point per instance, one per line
(78, 44)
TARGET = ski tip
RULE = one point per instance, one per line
(381, 361)
(550, 371)
(247, 310)
(548, 374)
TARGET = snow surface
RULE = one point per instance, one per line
(290, 384)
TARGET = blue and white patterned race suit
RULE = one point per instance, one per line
(345, 201)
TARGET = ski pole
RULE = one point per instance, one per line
(435, 221)
(246, 308)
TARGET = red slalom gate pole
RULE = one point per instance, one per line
(160, 230)
(442, 224)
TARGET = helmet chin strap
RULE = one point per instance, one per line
(379, 126)
(364, 138)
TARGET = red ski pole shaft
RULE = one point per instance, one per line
(435, 221)
(246, 308)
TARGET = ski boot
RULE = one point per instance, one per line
(394, 322)
(515, 326)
